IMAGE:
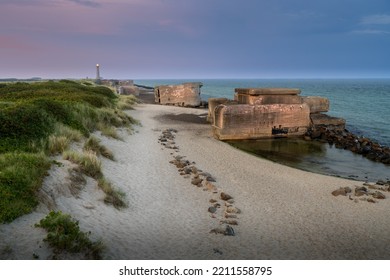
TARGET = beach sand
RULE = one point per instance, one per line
(285, 213)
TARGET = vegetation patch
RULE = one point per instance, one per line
(114, 197)
(64, 235)
(88, 161)
(126, 102)
(21, 175)
(41, 119)
(91, 166)
(94, 144)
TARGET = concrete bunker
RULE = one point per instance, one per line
(185, 95)
(268, 113)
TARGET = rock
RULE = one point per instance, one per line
(196, 181)
(227, 204)
(211, 179)
(187, 170)
(230, 216)
(88, 206)
(381, 183)
(207, 176)
(233, 210)
(378, 195)
(229, 222)
(225, 196)
(370, 186)
(359, 191)
(180, 163)
(340, 191)
(212, 200)
(347, 189)
(212, 209)
(217, 251)
(218, 230)
(229, 231)
(217, 205)
(371, 200)
(210, 186)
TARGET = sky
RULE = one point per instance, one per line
(161, 39)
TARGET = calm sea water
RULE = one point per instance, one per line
(363, 103)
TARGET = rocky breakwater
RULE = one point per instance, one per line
(343, 139)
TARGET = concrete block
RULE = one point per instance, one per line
(234, 122)
(186, 95)
(317, 104)
(268, 91)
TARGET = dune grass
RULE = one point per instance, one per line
(88, 161)
(126, 102)
(64, 235)
(91, 166)
(113, 196)
(41, 119)
(95, 145)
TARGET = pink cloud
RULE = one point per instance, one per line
(15, 43)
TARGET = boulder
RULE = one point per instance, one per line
(378, 195)
(225, 196)
(229, 231)
(233, 210)
(196, 181)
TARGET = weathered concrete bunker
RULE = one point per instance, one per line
(186, 95)
(268, 113)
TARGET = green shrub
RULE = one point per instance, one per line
(21, 124)
(21, 174)
(64, 235)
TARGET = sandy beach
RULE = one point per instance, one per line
(284, 213)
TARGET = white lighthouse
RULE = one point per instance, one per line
(97, 73)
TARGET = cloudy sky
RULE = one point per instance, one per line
(195, 38)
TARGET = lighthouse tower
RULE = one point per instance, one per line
(97, 74)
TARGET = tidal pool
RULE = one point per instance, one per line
(316, 157)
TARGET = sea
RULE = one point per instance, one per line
(363, 103)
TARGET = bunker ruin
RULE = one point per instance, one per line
(185, 95)
(268, 113)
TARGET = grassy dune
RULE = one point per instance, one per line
(41, 119)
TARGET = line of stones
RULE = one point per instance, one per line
(221, 203)
(368, 192)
